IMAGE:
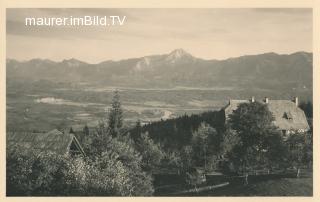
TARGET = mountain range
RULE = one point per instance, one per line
(177, 68)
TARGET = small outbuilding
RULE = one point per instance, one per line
(52, 141)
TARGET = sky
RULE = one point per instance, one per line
(215, 33)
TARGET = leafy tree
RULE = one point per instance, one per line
(186, 157)
(172, 159)
(96, 142)
(151, 153)
(103, 148)
(194, 178)
(298, 151)
(230, 139)
(307, 107)
(44, 174)
(115, 119)
(253, 123)
(308, 149)
(115, 172)
(200, 143)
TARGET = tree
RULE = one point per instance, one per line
(172, 159)
(151, 153)
(86, 130)
(71, 130)
(97, 141)
(186, 158)
(307, 107)
(200, 143)
(45, 174)
(253, 123)
(136, 132)
(115, 121)
(308, 149)
(115, 171)
(299, 151)
(230, 139)
(107, 151)
(139, 183)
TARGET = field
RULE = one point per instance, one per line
(44, 105)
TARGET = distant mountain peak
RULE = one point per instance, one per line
(177, 55)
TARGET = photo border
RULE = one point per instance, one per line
(315, 4)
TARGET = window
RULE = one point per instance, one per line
(287, 115)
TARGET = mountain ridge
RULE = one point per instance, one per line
(107, 61)
(178, 68)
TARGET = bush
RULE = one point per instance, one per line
(49, 174)
(44, 174)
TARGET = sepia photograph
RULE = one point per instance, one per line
(159, 102)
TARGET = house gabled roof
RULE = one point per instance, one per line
(287, 115)
(53, 141)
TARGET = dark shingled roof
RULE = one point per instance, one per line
(287, 115)
(54, 141)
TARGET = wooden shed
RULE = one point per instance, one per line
(52, 141)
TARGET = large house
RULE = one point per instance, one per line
(289, 118)
(52, 141)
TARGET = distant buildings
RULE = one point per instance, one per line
(289, 118)
(53, 141)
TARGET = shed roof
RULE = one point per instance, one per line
(54, 141)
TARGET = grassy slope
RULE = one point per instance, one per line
(279, 187)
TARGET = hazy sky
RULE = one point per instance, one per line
(205, 33)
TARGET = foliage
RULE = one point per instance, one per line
(44, 174)
(200, 143)
(300, 149)
(86, 130)
(174, 134)
(151, 153)
(207, 145)
(186, 157)
(194, 177)
(116, 172)
(230, 139)
(106, 150)
(115, 119)
(259, 138)
(171, 160)
(307, 107)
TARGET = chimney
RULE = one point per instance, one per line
(252, 99)
(266, 100)
(296, 101)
